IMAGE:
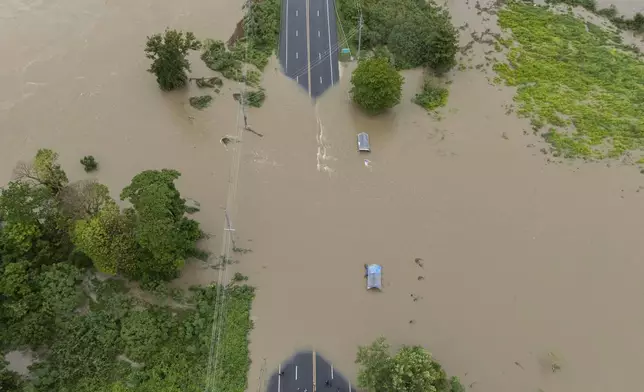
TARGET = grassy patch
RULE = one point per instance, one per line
(431, 97)
(577, 79)
(200, 102)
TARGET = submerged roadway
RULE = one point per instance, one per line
(308, 372)
(308, 44)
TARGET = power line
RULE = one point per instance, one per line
(219, 315)
(303, 70)
(337, 17)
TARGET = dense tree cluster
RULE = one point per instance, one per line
(376, 85)
(411, 369)
(417, 32)
(92, 335)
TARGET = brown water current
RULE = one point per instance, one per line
(523, 257)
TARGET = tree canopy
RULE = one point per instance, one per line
(411, 369)
(377, 85)
(417, 32)
(168, 52)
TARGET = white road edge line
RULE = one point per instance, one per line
(279, 378)
(349, 386)
(286, 65)
(328, 25)
(296, 372)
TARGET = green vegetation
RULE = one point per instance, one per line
(91, 335)
(43, 170)
(255, 98)
(220, 59)
(168, 54)
(635, 24)
(229, 62)
(200, 102)
(411, 369)
(576, 77)
(377, 85)
(89, 163)
(431, 97)
(417, 32)
(261, 31)
(209, 82)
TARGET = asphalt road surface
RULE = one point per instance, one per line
(309, 51)
(308, 372)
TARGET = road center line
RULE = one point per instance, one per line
(286, 65)
(279, 378)
(308, 43)
(314, 371)
(328, 24)
(331, 371)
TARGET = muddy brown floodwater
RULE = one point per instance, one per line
(523, 258)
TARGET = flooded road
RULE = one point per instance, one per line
(521, 257)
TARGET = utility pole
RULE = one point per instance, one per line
(359, 35)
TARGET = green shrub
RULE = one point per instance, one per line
(377, 85)
(200, 102)
(89, 163)
(209, 82)
(431, 97)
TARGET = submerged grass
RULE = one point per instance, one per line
(200, 102)
(577, 78)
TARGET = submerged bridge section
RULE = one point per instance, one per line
(308, 48)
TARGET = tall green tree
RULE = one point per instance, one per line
(411, 369)
(33, 227)
(108, 239)
(160, 227)
(377, 85)
(168, 52)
